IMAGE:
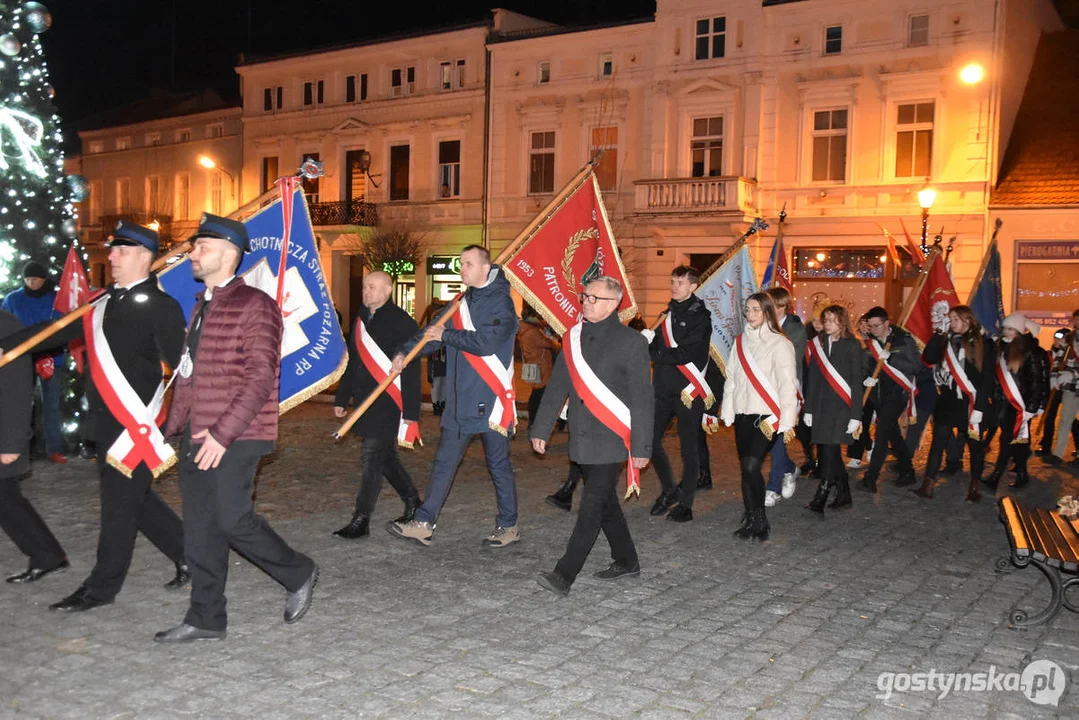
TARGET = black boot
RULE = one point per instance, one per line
(754, 526)
(1022, 478)
(183, 576)
(704, 478)
(842, 494)
(412, 504)
(357, 527)
(821, 496)
(743, 527)
(993, 480)
(663, 503)
(869, 482)
(437, 408)
(563, 497)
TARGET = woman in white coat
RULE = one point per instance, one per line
(760, 398)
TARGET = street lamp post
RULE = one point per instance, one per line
(926, 196)
(208, 162)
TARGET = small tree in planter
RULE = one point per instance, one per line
(394, 251)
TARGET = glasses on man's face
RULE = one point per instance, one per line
(591, 299)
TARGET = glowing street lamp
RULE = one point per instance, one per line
(972, 73)
(208, 162)
(926, 196)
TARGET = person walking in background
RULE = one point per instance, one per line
(1065, 379)
(436, 361)
(783, 474)
(536, 349)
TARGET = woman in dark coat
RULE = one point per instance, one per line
(833, 406)
(959, 409)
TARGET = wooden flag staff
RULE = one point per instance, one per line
(507, 253)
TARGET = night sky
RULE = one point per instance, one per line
(104, 53)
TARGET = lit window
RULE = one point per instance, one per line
(914, 139)
(830, 146)
(449, 169)
(606, 139)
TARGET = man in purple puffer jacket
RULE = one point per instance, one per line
(225, 410)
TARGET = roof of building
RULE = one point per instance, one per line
(1041, 164)
(158, 105)
(528, 33)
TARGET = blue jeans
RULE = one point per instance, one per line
(50, 412)
(451, 448)
(781, 464)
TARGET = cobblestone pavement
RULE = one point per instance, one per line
(801, 626)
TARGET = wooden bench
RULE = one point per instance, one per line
(1049, 542)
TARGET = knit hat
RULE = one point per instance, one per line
(34, 269)
(1019, 323)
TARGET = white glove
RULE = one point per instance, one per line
(1027, 416)
(728, 420)
(1065, 377)
(783, 429)
(975, 417)
(710, 423)
(943, 324)
(885, 353)
(1054, 382)
(808, 419)
(648, 335)
(853, 426)
(870, 381)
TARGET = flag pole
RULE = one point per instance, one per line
(985, 261)
(505, 256)
(162, 265)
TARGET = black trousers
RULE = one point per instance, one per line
(25, 527)
(752, 446)
(830, 458)
(219, 514)
(129, 506)
(534, 402)
(689, 426)
(949, 419)
(600, 509)
(1020, 452)
(889, 436)
(858, 448)
(704, 458)
(379, 458)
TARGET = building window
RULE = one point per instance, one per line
(350, 88)
(313, 92)
(363, 86)
(183, 136)
(541, 163)
(452, 74)
(123, 194)
(914, 139)
(273, 98)
(606, 64)
(310, 185)
(155, 203)
(918, 35)
(449, 169)
(447, 76)
(459, 67)
(216, 198)
(833, 40)
(544, 72)
(830, 146)
(97, 146)
(402, 81)
(355, 178)
(399, 162)
(215, 131)
(606, 139)
(153, 138)
(269, 172)
(706, 147)
(97, 200)
(711, 38)
(183, 196)
(123, 143)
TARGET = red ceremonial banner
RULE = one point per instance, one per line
(934, 296)
(73, 291)
(573, 247)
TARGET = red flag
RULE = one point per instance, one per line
(916, 253)
(893, 249)
(567, 252)
(74, 290)
(782, 277)
(932, 298)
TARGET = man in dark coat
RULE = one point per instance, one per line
(225, 408)
(617, 359)
(140, 328)
(482, 336)
(18, 517)
(680, 347)
(889, 394)
(380, 328)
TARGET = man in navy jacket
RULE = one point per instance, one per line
(471, 402)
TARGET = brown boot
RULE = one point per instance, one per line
(926, 490)
(973, 494)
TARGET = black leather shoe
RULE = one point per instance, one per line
(1053, 460)
(614, 571)
(680, 513)
(993, 480)
(554, 582)
(869, 482)
(1022, 479)
(704, 478)
(184, 633)
(80, 601)
(358, 527)
(183, 577)
(905, 479)
(951, 469)
(299, 602)
(411, 506)
(663, 503)
(34, 574)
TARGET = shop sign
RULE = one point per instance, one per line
(1048, 250)
(444, 265)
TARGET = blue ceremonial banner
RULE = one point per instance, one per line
(770, 270)
(987, 297)
(313, 352)
(725, 292)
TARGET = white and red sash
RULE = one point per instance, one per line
(899, 378)
(600, 401)
(1012, 394)
(698, 387)
(379, 365)
(141, 441)
(837, 381)
(760, 382)
(497, 376)
(962, 382)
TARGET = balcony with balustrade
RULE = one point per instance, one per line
(689, 197)
(338, 213)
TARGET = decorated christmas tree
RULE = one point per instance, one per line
(37, 215)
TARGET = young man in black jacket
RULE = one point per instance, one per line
(380, 329)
